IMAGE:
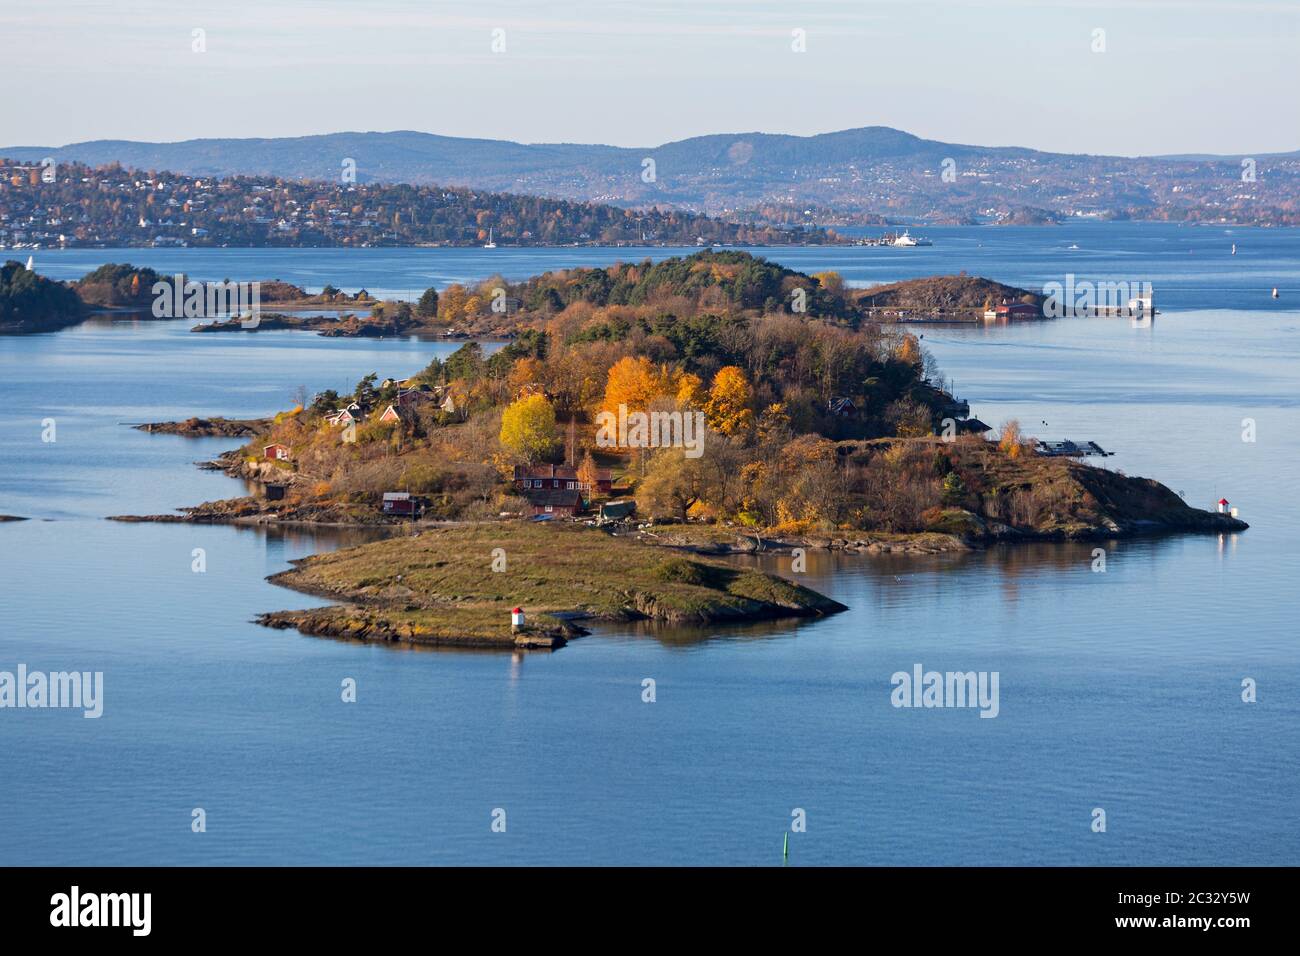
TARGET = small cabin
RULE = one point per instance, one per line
(402, 503)
(842, 406)
(354, 414)
(972, 426)
(276, 452)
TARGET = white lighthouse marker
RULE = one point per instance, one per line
(1223, 506)
(516, 618)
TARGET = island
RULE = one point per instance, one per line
(32, 303)
(701, 405)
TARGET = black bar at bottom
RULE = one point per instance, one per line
(365, 904)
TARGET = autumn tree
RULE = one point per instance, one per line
(528, 427)
(525, 372)
(671, 486)
(908, 351)
(1012, 441)
(690, 391)
(588, 473)
(634, 382)
(728, 408)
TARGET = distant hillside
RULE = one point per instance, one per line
(116, 206)
(861, 174)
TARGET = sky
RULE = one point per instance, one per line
(1133, 77)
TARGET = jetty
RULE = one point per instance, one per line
(1071, 449)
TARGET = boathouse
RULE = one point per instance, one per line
(402, 503)
(276, 452)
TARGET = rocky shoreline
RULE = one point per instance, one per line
(209, 427)
(358, 624)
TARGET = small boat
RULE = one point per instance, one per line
(1073, 245)
(1234, 248)
(1275, 295)
(490, 244)
(31, 266)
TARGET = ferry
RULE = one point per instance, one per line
(907, 240)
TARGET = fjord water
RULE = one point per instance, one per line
(1119, 690)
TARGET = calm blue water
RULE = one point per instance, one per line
(1118, 690)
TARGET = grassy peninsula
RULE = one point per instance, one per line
(457, 586)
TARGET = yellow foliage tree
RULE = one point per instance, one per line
(690, 391)
(634, 382)
(728, 408)
(909, 350)
(528, 427)
(1011, 441)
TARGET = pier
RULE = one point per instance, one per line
(1071, 449)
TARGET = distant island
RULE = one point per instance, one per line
(684, 403)
(852, 177)
(31, 303)
(495, 308)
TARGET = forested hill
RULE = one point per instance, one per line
(849, 176)
(115, 206)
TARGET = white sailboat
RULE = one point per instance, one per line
(490, 244)
(31, 263)
(1234, 248)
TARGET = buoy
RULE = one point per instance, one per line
(516, 618)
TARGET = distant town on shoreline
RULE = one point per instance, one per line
(409, 188)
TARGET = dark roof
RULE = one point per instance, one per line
(541, 497)
(973, 425)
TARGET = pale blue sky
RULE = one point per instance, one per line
(1176, 76)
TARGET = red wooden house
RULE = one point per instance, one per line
(552, 501)
(560, 478)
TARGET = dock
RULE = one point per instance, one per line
(1071, 449)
